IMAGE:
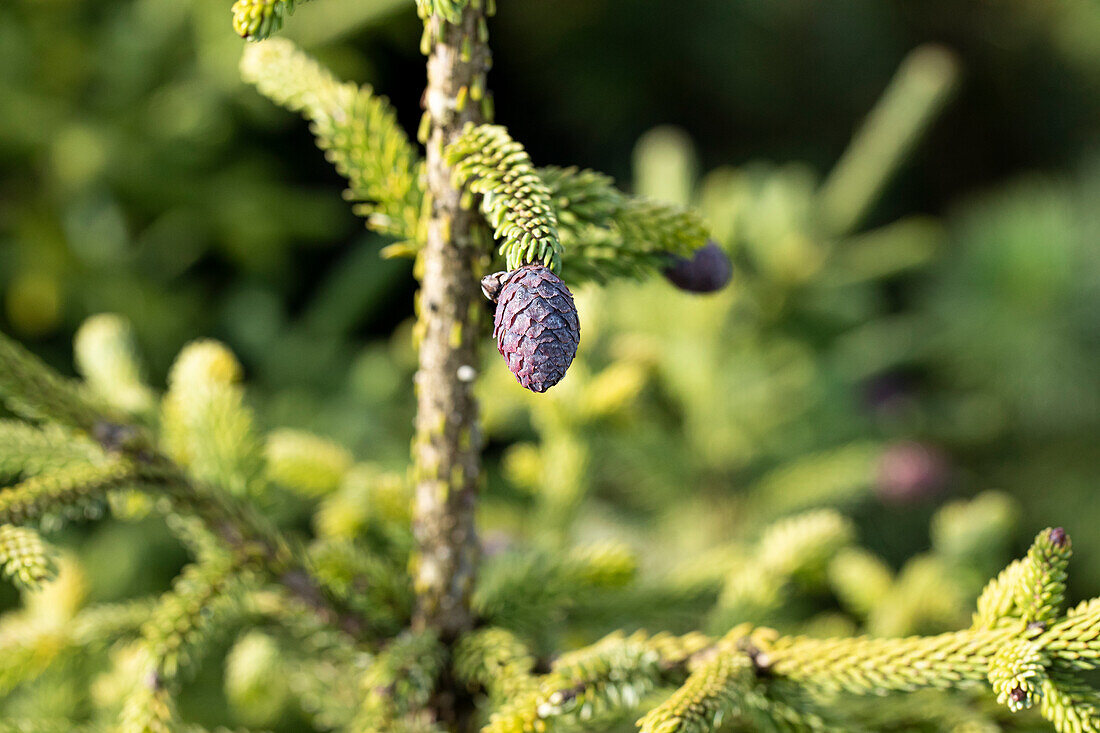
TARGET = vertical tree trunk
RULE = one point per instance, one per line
(447, 432)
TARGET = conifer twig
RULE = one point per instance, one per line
(31, 388)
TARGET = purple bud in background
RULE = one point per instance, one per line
(909, 472)
(708, 269)
(887, 395)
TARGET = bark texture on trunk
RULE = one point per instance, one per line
(448, 439)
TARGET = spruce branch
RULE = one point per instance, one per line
(520, 590)
(873, 666)
(711, 694)
(323, 665)
(607, 233)
(582, 197)
(32, 390)
(997, 602)
(1016, 672)
(514, 198)
(1041, 588)
(187, 618)
(1074, 641)
(252, 540)
(794, 548)
(357, 129)
(27, 648)
(772, 681)
(66, 492)
(375, 588)
(612, 674)
(181, 627)
(1070, 704)
(149, 708)
(27, 449)
(397, 688)
(495, 660)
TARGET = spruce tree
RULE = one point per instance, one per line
(392, 622)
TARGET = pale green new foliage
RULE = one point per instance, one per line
(803, 544)
(357, 129)
(860, 580)
(365, 493)
(1018, 661)
(30, 642)
(1073, 641)
(922, 85)
(304, 462)
(106, 356)
(1040, 592)
(25, 558)
(1016, 672)
(975, 531)
(255, 681)
(207, 426)
(609, 233)
(149, 709)
(255, 20)
(514, 198)
(582, 197)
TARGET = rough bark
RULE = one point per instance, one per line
(447, 434)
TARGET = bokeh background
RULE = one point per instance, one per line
(927, 366)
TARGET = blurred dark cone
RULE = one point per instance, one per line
(708, 270)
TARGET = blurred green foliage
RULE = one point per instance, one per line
(934, 366)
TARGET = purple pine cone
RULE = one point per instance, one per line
(708, 270)
(535, 324)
